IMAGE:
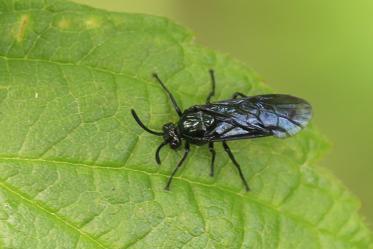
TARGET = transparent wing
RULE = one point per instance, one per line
(263, 115)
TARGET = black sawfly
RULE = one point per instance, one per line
(241, 117)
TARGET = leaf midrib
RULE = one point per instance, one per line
(246, 196)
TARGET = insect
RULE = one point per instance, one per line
(241, 117)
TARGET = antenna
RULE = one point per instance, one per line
(158, 150)
(143, 126)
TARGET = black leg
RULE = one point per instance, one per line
(212, 150)
(212, 93)
(229, 152)
(176, 107)
(238, 95)
(186, 151)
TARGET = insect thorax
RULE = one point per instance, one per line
(195, 125)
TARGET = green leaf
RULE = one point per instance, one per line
(76, 171)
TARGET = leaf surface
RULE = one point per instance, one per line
(76, 171)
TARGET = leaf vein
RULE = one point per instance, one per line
(51, 214)
(254, 200)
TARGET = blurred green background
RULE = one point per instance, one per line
(320, 50)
